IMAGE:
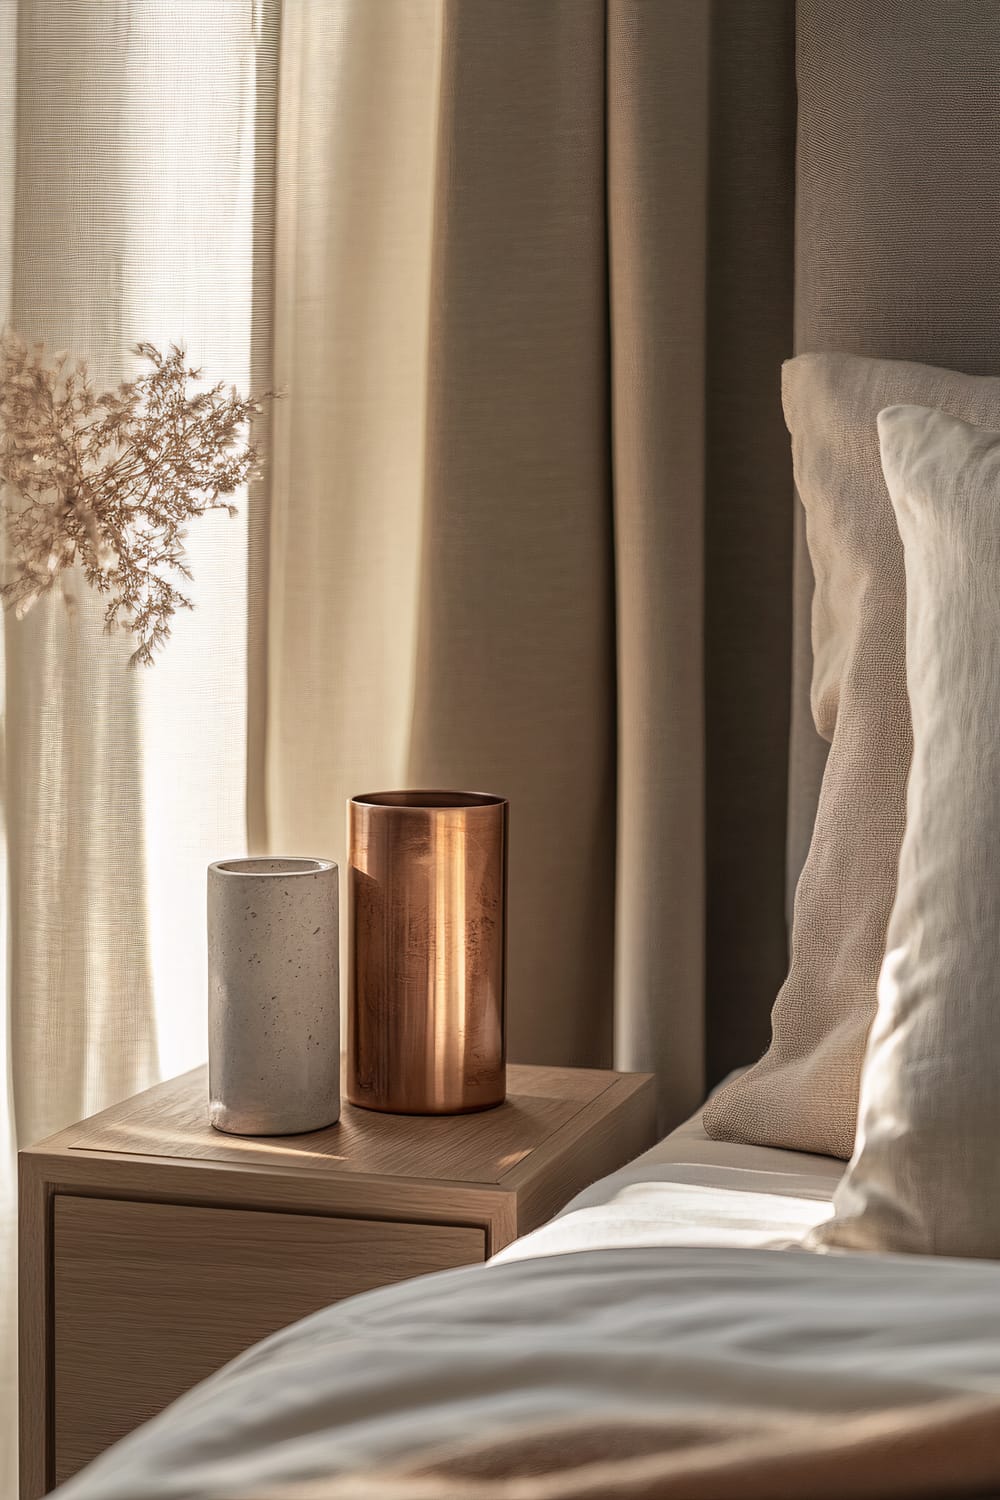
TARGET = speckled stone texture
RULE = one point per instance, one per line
(273, 995)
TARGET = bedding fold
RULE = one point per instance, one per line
(951, 1449)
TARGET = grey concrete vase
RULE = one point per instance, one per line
(273, 995)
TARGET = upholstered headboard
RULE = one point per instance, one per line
(897, 223)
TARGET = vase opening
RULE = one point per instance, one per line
(428, 800)
(272, 866)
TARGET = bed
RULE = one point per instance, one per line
(669, 1290)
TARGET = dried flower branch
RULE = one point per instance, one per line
(110, 481)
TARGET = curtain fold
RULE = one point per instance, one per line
(80, 1018)
(701, 133)
(657, 181)
(749, 508)
(356, 132)
(532, 524)
(514, 685)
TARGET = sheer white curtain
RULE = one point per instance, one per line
(136, 145)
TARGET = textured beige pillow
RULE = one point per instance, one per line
(925, 1176)
(803, 1093)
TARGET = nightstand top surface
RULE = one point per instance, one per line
(170, 1121)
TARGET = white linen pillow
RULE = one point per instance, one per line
(925, 1174)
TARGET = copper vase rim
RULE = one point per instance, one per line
(282, 866)
(421, 800)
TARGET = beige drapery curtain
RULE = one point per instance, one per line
(532, 508)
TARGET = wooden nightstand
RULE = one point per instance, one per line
(153, 1249)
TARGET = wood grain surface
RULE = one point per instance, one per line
(150, 1298)
(172, 1120)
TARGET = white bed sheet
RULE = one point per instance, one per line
(649, 1294)
(691, 1190)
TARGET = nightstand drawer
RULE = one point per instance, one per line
(150, 1298)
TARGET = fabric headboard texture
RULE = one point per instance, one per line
(897, 226)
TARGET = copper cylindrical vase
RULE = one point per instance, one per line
(427, 884)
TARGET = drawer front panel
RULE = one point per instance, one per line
(150, 1298)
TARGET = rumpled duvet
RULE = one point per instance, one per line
(539, 1354)
(652, 1342)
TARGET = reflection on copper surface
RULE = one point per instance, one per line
(427, 888)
